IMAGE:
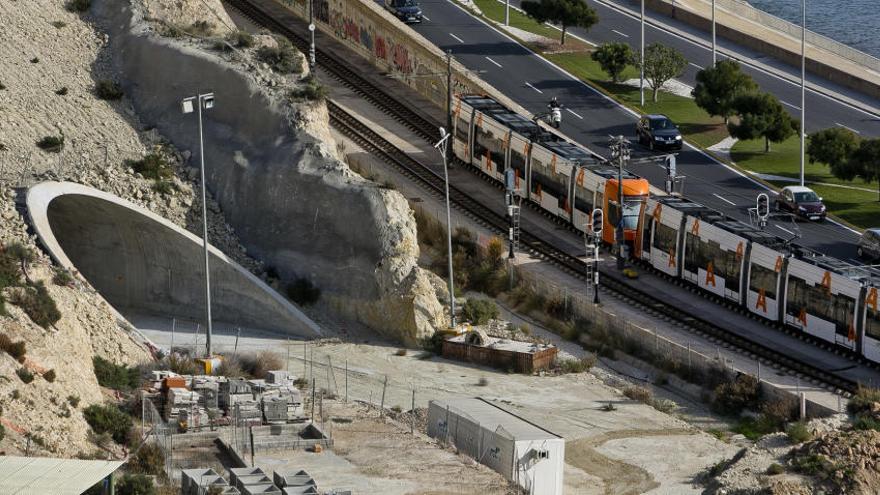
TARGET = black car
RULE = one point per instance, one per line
(658, 132)
(405, 10)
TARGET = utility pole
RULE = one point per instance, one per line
(205, 100)
(443, 145)
(312, 35)
(714, 46)
(642, 60)
(449, 93)
(803, 129)
(507, 13)
(620, 152)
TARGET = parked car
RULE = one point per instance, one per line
(658, 132)
(869, 244)
(801, 201)
(406, 10)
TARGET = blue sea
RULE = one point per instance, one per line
(852, 22)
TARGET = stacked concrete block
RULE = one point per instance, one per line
(178, 399)
(208, 390)
(252, 481)
(299, 483)
(275, 409)
(277, 377)
(269, 489)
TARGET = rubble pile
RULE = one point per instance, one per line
(843, 461)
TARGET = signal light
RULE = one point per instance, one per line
(597, 220)
(763, 206)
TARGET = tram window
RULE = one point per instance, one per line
(763, 278)
(665, 238)
(835, 308)
(494, 145)
(583, 200)
(462, 127)
(518, 162)
(872, 324)
(549, 185)
(699, 254)
(646, 234)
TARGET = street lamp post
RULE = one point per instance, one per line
(714, 47)
(205, 101)
(642, 60)
(443, 145)
(803, 129)
(312, 35)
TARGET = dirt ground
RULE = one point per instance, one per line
(378, 455)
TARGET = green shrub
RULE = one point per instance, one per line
(106, 89)
(434, 343)
(182, 365)
(2, 432)
(10, 267)
(479, 311)
(811, 464)
(149, 459)
(731, 398)
(62, 277)
(863, 400)
(303, 292)
(755, 428)
(51, 144)
(780, 411)
(115, 376)
(152, 166)
(240, 39)
(108, 419)
(58, 25)
(35, 60)
(283, 59)
(865, 422)
(36, 301)
(310, 90)
(15, 349)
(61, 91)
(73, 400)
(775, 469)
(2, 86)
(49, 376)
(135, 484)
(164, 187)
(640, 394)
(78, 5)
(577, 365)
(798, 432)
(25, 375)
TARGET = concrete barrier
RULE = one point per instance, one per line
(139, 261)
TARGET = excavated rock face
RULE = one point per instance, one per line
(274, 170)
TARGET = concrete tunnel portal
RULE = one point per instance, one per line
(142, 263)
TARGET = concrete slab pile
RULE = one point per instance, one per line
(253, 481)
(299, 483)
(199, 481)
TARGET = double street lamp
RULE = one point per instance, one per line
(203, 101)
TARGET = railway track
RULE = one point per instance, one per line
(375, 143)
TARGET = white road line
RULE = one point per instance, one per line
(724, 199)
(784, 229)
(494, 62)
(789, 104)
(618, 32)
(457, 38)
(536, 89)
(426, 18)
(573, 113)
(695, 65)
(848, 128)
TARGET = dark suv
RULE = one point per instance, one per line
(801, 201)
(405, 10)
(658, 132)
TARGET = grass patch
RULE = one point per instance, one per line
(283, 59)
(494, 11)
(755, 428)
(36, 301)
(309, 90)
(479, 311)
(25, 375)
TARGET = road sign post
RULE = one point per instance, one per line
(597, 221)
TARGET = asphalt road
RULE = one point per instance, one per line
(591, 117)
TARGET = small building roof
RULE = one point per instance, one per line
(42, 475)
(500, 344)
(491, 416)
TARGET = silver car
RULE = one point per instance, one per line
(869, 244)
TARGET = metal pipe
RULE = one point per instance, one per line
(205, 232)
(803, 128)
(446, 147)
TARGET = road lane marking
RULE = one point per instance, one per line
(848, 128)
(536, 89)
(784, 229)
(457, 38)
(573, 113)
(695, 65)
(622, 34)
(789, 104)
(426, 18)
(724, 199)
(494, 62)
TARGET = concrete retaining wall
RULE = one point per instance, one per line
(755, 41)
(142, 262)
(393, 47)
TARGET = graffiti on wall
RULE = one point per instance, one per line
(386, 48)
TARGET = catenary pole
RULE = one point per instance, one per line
(642, 59)
(205, 232)
(803, 129)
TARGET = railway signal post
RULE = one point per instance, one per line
(762, 208)
(597, 220)
(620, 152)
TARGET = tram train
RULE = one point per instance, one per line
(831, 300)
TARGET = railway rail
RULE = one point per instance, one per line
(375, 143)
